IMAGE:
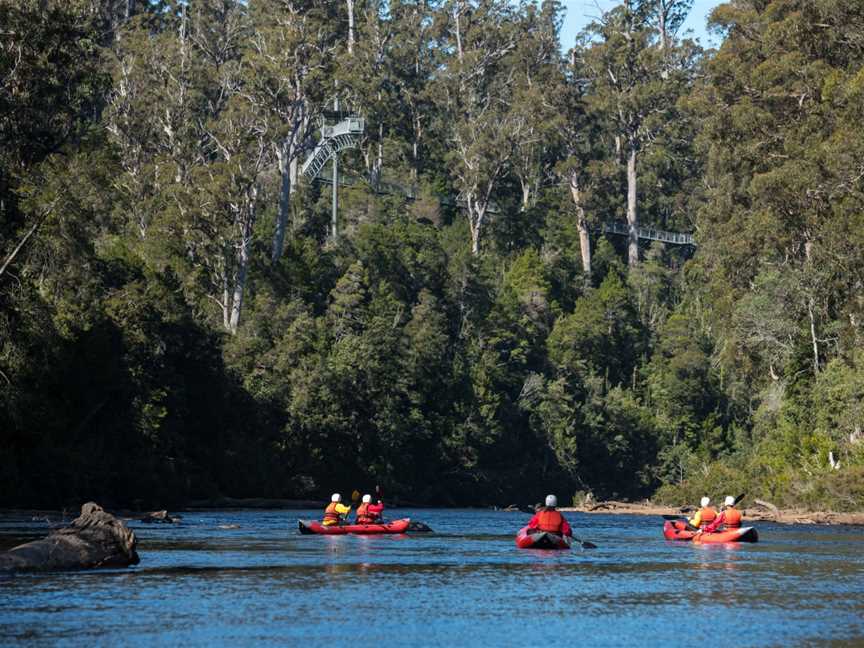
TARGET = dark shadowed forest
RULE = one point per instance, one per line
(182, 318)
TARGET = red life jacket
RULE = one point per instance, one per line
(550, 520)
(330, 514)
(365, 516)
(707, 515)
(732, 518)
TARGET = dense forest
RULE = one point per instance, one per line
(181, 318)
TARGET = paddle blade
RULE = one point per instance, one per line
(674, 517)
(355, 496)
(588, 545)
(739, 498)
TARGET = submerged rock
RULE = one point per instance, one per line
(93, 539)
(161, 517)
(418, 527)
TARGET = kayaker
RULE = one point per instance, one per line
(549, 519)
(368, 513)
(729, 518)
(705, 515)
(335, 511)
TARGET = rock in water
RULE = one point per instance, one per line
(418, 527)
(94, 539)
(161, 517)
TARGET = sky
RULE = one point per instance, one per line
(582, 12)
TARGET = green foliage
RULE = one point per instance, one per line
(177, 323)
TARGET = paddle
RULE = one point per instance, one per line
(585, 544)
(674, 517)
(355, 497)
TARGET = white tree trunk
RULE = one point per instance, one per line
(581, 224)
(244, 246)
(632, 222)
(350, 4)
(457, 15)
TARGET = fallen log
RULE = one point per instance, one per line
(768, 505)
(94, 539)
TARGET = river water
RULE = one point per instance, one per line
(467, 584)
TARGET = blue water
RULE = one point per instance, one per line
(465, 585)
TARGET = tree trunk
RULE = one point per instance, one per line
(284, 157)
(476, 214)
(226, 294)
(811, 314)
(526, 194)
(243, 257)
(30, 232)
(584, 238)
(457, 15)
(350, 4)
(632, 223)
(664, 33)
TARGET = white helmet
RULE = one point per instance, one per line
(367, 499)
(730, 501)
(335, 497)
(705, 501)
(551, 500)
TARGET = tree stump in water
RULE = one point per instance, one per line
(94, 539)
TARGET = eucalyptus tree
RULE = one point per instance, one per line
(474, 91)
(415, 57)
(288, 62)
(194, 147)
(635, 82)
(783, 183)
(536, 104)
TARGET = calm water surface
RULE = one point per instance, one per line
(467, 584)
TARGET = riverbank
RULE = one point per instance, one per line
(753, 513)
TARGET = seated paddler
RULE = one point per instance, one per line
(335, 512)
(704, 516)
(729, 518)
(369, 513)
(549, 519)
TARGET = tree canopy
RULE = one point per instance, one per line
(178, 320)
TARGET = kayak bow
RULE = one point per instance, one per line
(536, 539)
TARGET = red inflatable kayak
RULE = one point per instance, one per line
(680, 530)
(315, 527)
(536, 539)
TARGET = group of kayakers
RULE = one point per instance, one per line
(708, 520)
(367, 513)
(547, 518)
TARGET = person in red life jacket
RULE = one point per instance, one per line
(335, 512)
(368, 513)
(549, 519)
(704, 516)
(729, 518)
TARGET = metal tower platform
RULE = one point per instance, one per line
(334, 138)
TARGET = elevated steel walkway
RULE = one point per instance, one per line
(649, 233)
(611, 227)
(334, 138)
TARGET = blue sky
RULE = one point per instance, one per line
(582, 12)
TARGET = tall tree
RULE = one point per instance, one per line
(475, 86)
(289, 61)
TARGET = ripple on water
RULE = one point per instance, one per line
(260, 582)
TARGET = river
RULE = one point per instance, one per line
(261, 583)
